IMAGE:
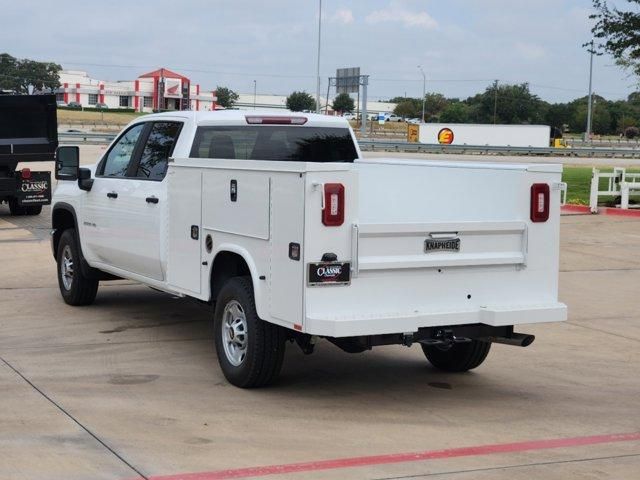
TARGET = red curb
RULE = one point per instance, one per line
(404, 457)
(575, 209)
(584, 209)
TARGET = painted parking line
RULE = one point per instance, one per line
(404, 457)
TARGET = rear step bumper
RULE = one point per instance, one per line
(375, 324)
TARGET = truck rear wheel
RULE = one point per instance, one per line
(250, 350)
(458, 357)
(76, 289)
(18, 210)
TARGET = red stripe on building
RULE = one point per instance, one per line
(197, 99)
(155, 93)
(532, 445)
(65, 86)
(214, 101)
(136, 98)
(102, 93)
(78, 92)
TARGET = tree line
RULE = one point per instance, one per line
(515, 104)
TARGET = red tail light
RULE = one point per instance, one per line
(333, 209)
(25, 173)
(539, 202)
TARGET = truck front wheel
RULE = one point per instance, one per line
(76, 289)
(250, 350)
(458, 357)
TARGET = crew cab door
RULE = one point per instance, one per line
(125, 207)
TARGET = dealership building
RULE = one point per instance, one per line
(163, 89)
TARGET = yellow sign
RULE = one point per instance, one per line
(413, 133)
(445, 136)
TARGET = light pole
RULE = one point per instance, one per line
(589, 102)
(254, 94)
(424, 91)
(318, 59)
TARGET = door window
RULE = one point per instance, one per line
(119, 157)
(157, 150)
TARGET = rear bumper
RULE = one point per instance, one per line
(404, 323)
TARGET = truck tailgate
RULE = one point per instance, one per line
(440, 243)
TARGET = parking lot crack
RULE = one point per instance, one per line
(73, 419)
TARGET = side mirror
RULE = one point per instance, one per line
(85, 182)
(67, 163)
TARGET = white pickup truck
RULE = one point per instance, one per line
(277, 221)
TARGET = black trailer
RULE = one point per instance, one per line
(28, 133)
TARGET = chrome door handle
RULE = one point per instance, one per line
(112, 195)
(152, 199)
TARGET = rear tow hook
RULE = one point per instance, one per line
(443, 338)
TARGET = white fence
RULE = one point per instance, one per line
(619, 184)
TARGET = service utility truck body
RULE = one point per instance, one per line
(485, 135)
(279, 223)
(28, 133)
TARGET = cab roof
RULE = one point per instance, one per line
(239, 117)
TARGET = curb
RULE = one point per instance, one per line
(585, 210)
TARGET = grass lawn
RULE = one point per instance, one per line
(578, 180)
(92, 117)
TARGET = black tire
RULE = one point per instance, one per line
(460, 357)
(76, 289)
(263, 342)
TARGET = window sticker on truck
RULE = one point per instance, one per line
(329, 273)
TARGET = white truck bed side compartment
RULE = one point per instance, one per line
(286, 275)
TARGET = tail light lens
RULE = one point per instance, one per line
(25, 173)
(333, 209)
(539, 202)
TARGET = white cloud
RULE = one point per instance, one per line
(344, 16)
(398, 14)
(530, 51)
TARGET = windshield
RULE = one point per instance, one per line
(275, 142)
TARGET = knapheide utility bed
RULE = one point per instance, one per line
(279, 222)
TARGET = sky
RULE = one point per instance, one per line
(462, 45)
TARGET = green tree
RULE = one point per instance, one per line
(559, 114)
(343, 103)
(227, 98)
(512, 104)
(600, 118)
(435, 103)
(20, 74)
(407, 109)
(618, 32)
(456, 112)
(299, 101)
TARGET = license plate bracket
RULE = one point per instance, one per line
(329, 273)
(35, 190)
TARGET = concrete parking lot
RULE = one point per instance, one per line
(130, 387)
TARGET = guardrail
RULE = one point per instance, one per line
(383, 146)
(392, 146)
(86, 137)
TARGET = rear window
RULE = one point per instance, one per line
(275, 142)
